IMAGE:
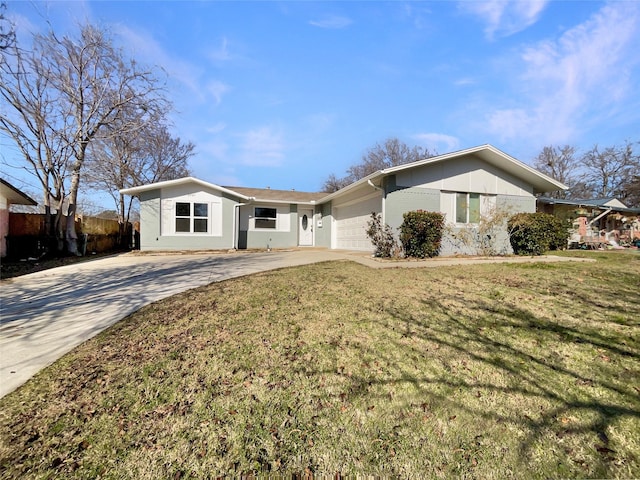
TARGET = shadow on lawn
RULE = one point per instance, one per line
(542, 376)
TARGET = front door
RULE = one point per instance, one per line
(305, 227)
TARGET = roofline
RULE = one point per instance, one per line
(581, 203)
(186, 180)
(440, 158)
(351, 186)
(281, 202)
(180, 181)
(472, 150)
(19, 192)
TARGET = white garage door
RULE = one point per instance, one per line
(351, 224)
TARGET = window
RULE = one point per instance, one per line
(467, 208)
(265, 217)
(188, 223)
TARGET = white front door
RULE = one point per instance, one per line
(305, 227)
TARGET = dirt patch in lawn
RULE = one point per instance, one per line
(484, 371)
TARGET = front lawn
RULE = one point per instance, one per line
(334, 369)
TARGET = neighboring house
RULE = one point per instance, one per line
(188, 213)
(595, 222)
(9, 195)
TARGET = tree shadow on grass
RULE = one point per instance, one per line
(540, 374)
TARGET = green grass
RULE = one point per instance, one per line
(487, 371)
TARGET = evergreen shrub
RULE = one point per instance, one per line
(536, 233)
(421, 233)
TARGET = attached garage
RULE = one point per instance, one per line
(351, 223)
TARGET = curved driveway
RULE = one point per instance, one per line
(46, 314)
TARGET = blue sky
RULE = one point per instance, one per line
(282, 94)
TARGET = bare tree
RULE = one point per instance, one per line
(632, 198)
(118, 162)
(333, 183)
(391, 153)
(610, 171)
(7, 30)
(34, 127)
(560, 163)
(92, 92)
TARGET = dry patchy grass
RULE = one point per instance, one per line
(491, 371)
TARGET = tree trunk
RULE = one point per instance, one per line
(48, 226)
(122, 229)
(71, 237)
(59, 228)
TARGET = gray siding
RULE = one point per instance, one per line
(150, 228)
(261, 239)
(404, 200)
(516, 204)
(323, 234)
(149, 219)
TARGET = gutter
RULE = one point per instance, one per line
(374, 186)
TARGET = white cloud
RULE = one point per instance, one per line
(222, 53)
(217, 89)
(319, 122)
(461, 82)
(417, 13)
(505, 17)
(438, 142)
(262, 146)
(147, 49)
(216, 128)
(333, 22)
(566, 83)
(216, 148)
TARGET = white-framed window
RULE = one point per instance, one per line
(467, 207)
(192, 217)
(265, 218)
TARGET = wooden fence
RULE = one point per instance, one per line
(27, 235)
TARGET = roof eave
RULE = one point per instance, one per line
(283, 202)
(180, 181)
(352, 186)
(538, 180)
(18, 197)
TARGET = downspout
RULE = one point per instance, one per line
(383, 199)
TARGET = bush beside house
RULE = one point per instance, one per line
(535, 233)
(384, 243)
(421, 233)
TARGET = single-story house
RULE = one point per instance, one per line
(595, 222)
(9, 195)
(189, 213)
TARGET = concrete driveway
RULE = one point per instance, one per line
(46, 314)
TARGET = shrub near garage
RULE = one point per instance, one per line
(535, 233)
(421, 233)
(381, 237)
